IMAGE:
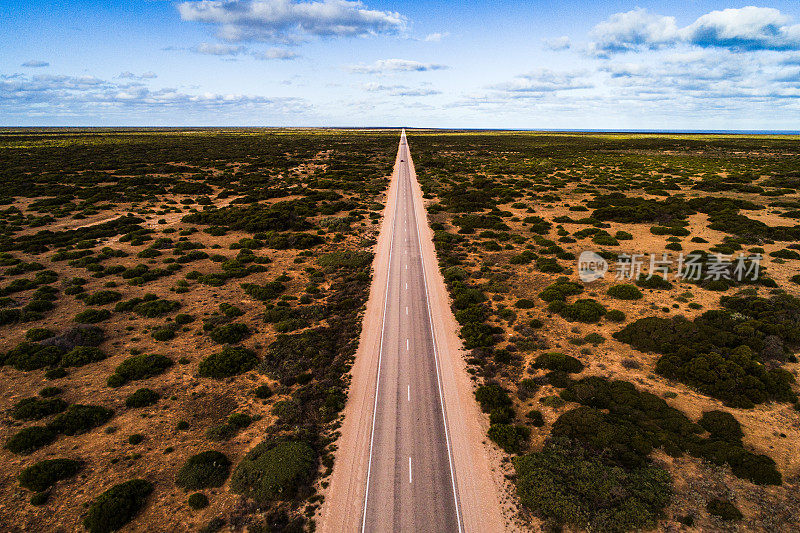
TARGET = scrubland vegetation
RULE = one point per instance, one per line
(650, 402)
(178, 314)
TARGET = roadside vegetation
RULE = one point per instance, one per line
(645, 401)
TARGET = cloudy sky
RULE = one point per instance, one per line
(667, 64)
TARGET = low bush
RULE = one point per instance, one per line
(722, 426)
(724, 509)
(139, 367)
(142, 398)
(263, 392)
(37, 408)
(117, 506)
(44, 474)
(560, 290)
(230, 333)
(558, 361)
(83, 355)
(570, 486)
(584, 310)
(30, 439)
(102, 297)
(624, 291)
(513, 439)
(38, 334)
(28, 356)
(232, 360)
(79, 419)
(653, 282)
(92, 316)
(275, 470)
(198, 500)
(204, 470)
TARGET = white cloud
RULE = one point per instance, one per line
(559, 43)
(35, 64)
(275, 54)
(290, 20)
(546, 81)
(65, 96)
(745, 29)
(399, 90)
(217, 49)
(395, 65)
(131, 76)
(435, 37)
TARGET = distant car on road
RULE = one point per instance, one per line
(402, 160)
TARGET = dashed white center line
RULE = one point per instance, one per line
(409, 469)
(406, 285)
(406, 310)
(406, 344)
(409, 393)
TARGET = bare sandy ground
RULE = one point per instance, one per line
(478, 472)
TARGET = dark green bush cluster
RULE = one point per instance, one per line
(198, 500)
(653, 282)
(721, 352)
(268, 291)
(92, 316)
(139, 367)
(142, 398)
(44, 474)
(117, 506)
(204, 470)
(583, 310)
(557, 361)
(560, 290)
(228, 430)
(30, 439)
(568, 485)
(624, 291)
(231, 361)
(617, 417)
(230, 333)
(83, 355)
(37, 408)
(724, 509)
(79, 419)
(73, 348)
(149, 305)
(275, 470)
(102, 297)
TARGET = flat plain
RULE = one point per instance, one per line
(180, 309)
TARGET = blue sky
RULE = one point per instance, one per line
(691, 64)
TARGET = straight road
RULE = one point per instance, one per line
(411, 484)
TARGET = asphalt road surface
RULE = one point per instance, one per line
(411, 484)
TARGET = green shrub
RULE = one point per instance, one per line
(230, 333)
(198, 500)
(44, 474)
(136, 438)
(535, 417)
(102, 297)
(724, 509)
(524, 303)
(30, 439)
(38, 334)
(204, 470)
(624, 291)
(117, 506)
(572, 487)
(139, 367)
(83, 355)
(513, 439)
(584, 310)
(263, 392)
(28, 356)
(142, 398)
(558, 361)
(92, 316)
(653, 282)
(615, 315)
(49, 392)
(80, 419)
(232, 360)
(560, 290)
(275, 470)
(182, 319)
(492, 397)
(721, 425)
(36, 408)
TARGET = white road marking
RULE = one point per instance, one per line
(409, 469)
(406, 310)
(406, 344)
(406, 285)
(409, 393)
